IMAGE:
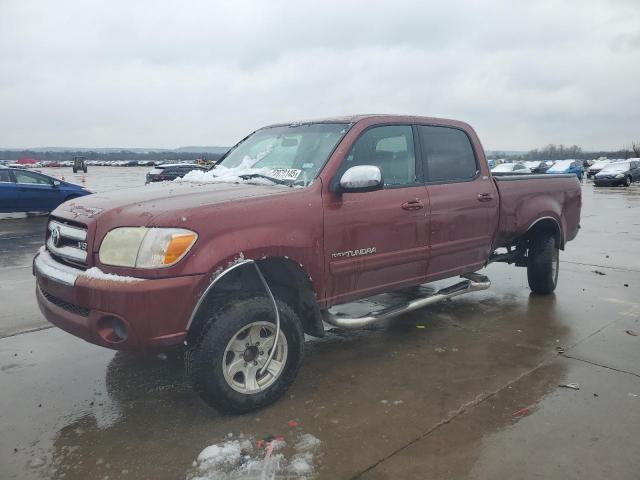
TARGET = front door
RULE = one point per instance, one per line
(376, 241)
(464, 202)
(36, 192)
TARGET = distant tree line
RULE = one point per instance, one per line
(107, 156)
(563, 152)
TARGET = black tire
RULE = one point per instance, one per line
(75, 170)
(541, 274)
(205, 358)
(84, 169)
(628, 181)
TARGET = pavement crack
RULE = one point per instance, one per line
(602, 266)
(601, 365)
(455, 414)
(22, 332)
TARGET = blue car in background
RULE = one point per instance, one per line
(568, 166)
(26, 191)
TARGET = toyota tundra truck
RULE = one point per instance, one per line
(295, 224)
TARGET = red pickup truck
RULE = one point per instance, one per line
(294, 223)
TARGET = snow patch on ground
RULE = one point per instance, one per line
(97, 274)
(248, 459)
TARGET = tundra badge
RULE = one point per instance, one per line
(354, 253)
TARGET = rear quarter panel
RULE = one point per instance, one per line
(523, 201)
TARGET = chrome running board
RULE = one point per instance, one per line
(472, 282)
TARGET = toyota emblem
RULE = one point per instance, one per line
(55, 236)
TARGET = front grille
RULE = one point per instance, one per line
(69, 307)
(67, 241)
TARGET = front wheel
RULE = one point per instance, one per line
(543, 264)
(225, 366)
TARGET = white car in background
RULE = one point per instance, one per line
(510, 169)
(596, 167)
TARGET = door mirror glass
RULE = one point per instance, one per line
(361, 178)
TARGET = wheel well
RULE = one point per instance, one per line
(286, 279)
(546, 226)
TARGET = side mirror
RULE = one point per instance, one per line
(56, 183)
(361, 178)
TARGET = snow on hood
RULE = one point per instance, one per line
(222, 174)
(560, 166)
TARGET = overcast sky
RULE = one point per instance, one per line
(173, 73)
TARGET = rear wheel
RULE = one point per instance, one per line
(543, 264)
(225, 366)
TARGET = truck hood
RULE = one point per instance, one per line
(141, 205)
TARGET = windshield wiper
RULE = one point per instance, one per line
(248, 176)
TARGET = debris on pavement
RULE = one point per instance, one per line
(420, 326)
(560, 349)
(292, 423)
(244, 458)
(633, 333)
(522, 412)
(598, 272)
(572, 386)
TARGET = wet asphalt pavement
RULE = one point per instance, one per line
(468, 388)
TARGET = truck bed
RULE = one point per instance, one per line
(526, 199)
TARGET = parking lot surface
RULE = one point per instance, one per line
(468, 388)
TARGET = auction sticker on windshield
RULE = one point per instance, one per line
(284, 173)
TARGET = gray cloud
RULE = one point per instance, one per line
(148, 73)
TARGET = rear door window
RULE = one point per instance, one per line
(447, 153)
(5, 176)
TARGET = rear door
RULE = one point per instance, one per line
(36, 192)
(635, 170)
(463, 201)
(376, 241)
(8, 192)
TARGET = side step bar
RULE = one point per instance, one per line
(472, 282)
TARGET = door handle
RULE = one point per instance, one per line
(413, 205)
(485, 197)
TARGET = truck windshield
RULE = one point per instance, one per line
(286, 155)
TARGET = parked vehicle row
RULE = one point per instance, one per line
(604, 172)
(523, 168)
(79, 163)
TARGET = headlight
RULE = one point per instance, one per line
(142, 247)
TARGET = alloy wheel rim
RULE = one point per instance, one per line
(246, 354)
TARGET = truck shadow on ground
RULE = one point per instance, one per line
(429, 363)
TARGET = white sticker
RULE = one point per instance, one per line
(308, 165)
(284, 173)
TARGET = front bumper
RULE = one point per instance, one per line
(154, 312)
